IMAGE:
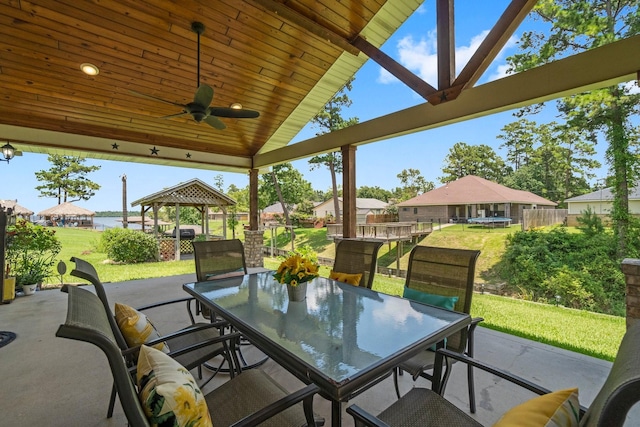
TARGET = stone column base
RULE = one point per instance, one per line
(253, 242)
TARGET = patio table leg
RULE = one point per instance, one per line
(336, 413)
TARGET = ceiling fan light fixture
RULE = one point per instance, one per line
(89, 69)
(236, 106)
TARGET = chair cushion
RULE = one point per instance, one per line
(558, 409)
(438, 300)
(432, 299)
(136, 327)
(168, 392)
(352, 279)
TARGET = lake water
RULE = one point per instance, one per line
(104, 222)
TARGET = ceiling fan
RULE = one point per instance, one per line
(200, 108)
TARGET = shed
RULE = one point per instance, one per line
(69, 214)
(194, 193)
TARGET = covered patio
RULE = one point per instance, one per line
(284, 60)
(67, 383)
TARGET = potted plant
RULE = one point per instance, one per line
(31, 253)
(31, 275)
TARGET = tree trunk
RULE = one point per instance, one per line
(619, 157)
(125, 219)
(285, 211)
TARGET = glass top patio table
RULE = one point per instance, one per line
(341, 337)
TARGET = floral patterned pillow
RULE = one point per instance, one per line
(168, 392)
(136, 327)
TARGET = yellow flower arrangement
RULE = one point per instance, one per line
(295, 270)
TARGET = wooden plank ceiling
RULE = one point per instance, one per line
(284, 68)
(282, 58)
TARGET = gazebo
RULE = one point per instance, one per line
(17, 209)
(70, 214)
(193, 193)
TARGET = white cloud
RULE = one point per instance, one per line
(421, 57)
(633, 87)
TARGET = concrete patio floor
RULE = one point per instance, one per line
(58, 382)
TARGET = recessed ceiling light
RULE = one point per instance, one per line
(236, 106)
(89, 69)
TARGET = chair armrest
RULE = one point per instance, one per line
(220, 339)
(189, 330)
(535, 388)
(495, 371)
(363, 418)
(475, 321)
(280, 405)
(161, 303)
(173, 301)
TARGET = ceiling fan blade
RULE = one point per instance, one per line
(214, 122)
(153, 98)
(204, 95)
(171, 116)
(233, 113)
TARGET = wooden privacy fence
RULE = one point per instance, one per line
(532, 218)
(372, 219)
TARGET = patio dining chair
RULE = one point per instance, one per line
(247, 399)
(356, 257)
(217, 259)
(443, 277)
(610, 407)
(177, 341)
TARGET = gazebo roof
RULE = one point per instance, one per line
(17, 209)
(189, 193)
(66, 208)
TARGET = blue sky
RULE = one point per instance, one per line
(375, 93)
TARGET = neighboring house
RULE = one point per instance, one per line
(601, 203)
(274, 211)
(470, 197)
(364, 207)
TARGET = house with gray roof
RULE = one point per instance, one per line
(364, 207)
(470, 197)
(601, 203)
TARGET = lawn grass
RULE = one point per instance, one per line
(584, 332)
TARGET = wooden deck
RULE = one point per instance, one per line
(387, 232)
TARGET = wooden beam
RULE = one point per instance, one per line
(607, 65)
(446, 43)
(513, 15)
(349, 213)
(309, 25)
(253, 199)
(404, 75)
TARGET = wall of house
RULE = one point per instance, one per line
(326, 209)
(601, 208)
(423, 214)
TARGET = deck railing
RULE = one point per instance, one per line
(389, 231)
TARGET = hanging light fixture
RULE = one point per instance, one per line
(8, 152)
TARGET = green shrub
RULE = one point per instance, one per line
(580, 268)
(31, 251)
(129, 246)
